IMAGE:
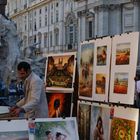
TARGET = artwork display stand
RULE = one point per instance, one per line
(113, 101)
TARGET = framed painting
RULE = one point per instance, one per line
(86, 70)
(101, 74)
(14, 130)
(124, 123)
(59, 104)
(60, 72)
(84, 114)
(123, 68)
(99, 124)
(56, 128)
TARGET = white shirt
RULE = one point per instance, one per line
(138, 86)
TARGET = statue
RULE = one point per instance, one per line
(2, 6)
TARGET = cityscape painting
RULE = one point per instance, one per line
(60, 71)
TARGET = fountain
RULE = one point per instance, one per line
(9, 45)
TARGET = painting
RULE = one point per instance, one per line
(14, 130)
(60, 71)
(59, 104)
(123, 54)
(124, 123)
(99, 125)
(100, 83)
(121, 83)
(86, 70)
(101, 76)
(123, 68)
(56, 128)
(122, 129)
(84, 112)
(101, 55)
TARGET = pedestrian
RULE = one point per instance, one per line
(34, 103)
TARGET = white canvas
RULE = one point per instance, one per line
(101, 72)
(123, 68)
(67, 127)
(131, 114)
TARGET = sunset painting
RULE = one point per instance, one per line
(59, 104)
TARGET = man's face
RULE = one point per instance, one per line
(23, 74)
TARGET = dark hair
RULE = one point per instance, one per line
(47, 132)
(24, 65)
(58, 134)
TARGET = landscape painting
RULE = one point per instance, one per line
(101, 55)
(123, 54)
(86, 70)
(100, 83)
(59, 104)
(57, 128)
(121, 83)
(60, 71)
(122, 129)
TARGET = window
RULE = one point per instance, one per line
(90, 29)
(46, 20)
(57, 37)
(57, 15)
(71, 33)
(51, 39)
(45, 40)
(40, 22)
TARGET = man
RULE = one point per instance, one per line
(34, 104)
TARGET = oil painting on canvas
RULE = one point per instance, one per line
(121, 83)
(60, 71)
(100, 83)
(101, 55)
(122, 129)
(86, 70)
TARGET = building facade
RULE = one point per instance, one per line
(60, 25)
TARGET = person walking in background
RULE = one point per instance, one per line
(34, 104)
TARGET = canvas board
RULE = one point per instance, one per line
(59, 104)
(14, 129)
(124, 124)
(86, 70)
(67, 127)
(101, 74)
(84, 114)
(123, 68)
(100, 114)
(60, 72)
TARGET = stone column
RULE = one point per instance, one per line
(136, 16)
(101, 19)
(2, 6)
